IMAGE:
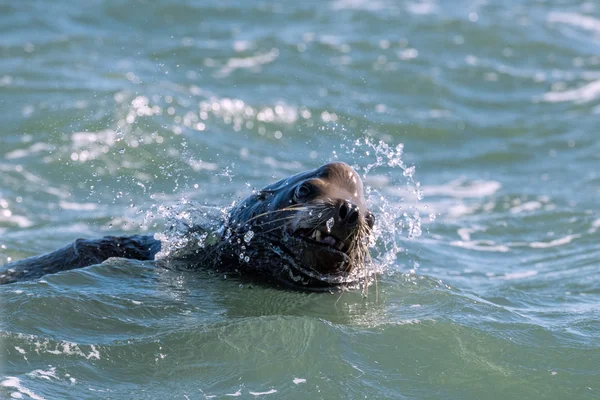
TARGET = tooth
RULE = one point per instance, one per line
(317, 235)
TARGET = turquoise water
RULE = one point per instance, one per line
(113, 111)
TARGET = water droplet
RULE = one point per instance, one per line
(248, 236)
(409, 172)
(329, 224)
(202, 240)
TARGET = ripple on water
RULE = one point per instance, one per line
(490, 281)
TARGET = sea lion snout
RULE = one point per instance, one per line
(348, 213)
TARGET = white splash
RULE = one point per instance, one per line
(481, 245)
(189, 226)
(519, 275)
(66, 348)
(251, 62)
(13, 382)
(47, 375)
(526, 207)
(554, 243)
(34, 149)
(263, 393)
(422, 8)
(577, 20)
(583, 94)
(366, 5)
(65, 205)
(465, 233)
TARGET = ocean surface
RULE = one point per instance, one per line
(475, 125)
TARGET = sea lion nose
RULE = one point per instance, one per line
(348, 213)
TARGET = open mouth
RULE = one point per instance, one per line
(319, 237)
(318, 258)
(319, 252)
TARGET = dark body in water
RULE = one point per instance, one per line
(310, 230)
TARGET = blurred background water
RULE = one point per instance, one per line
(113, 109)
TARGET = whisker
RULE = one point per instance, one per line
(339, 298)
(271, 230)
(289, 208)
(273, 221)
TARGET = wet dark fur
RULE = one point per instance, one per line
(79, 254)
(280, 219)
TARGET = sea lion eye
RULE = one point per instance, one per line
(303, 191)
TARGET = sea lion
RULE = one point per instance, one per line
(310, 231)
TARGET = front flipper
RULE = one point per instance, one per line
(81, 253)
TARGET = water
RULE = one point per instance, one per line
(114, 111)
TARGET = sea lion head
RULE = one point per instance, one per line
(310, 230)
